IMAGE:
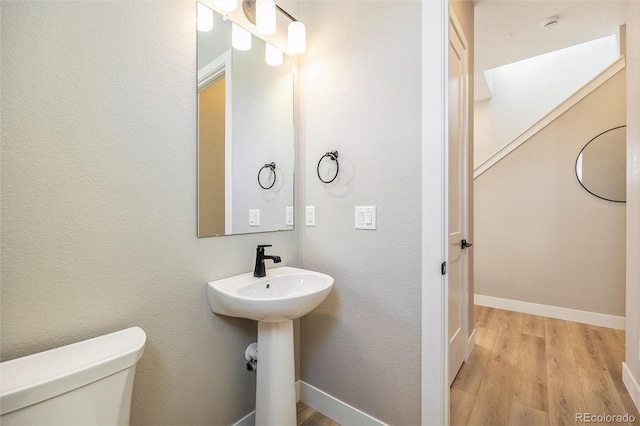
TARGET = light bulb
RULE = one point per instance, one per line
(273, 56)
(226, 5)
(297, 37)
(205, 18)
(266, 16)
(240, 38)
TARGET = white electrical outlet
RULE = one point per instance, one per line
(310, 216)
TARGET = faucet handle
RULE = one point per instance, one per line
(264, 245)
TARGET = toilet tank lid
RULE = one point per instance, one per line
(34, 378)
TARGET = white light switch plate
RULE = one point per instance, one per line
(254, 217)
(310, 216)
(289, 216)
(366, 217)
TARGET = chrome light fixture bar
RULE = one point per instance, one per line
(297, 35)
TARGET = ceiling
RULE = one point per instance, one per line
(508, 31)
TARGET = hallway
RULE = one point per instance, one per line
(532, 370)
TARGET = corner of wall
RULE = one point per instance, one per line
(632, 360)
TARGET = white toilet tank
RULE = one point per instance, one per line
(86, 383)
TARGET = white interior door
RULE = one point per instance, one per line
(457, 205)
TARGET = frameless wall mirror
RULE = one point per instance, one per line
(601, 165)
(245, 133)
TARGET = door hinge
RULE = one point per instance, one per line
(443, 268)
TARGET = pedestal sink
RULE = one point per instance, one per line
(274, 301)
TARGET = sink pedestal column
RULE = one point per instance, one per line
(275, 388)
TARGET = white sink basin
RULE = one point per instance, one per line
(274, 301)
(284, 294)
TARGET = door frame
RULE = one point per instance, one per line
(435, 229)
(215, 70)
(435, 351)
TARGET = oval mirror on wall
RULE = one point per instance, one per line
(601, 165)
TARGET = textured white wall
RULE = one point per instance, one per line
(361, 79)
(540, 237)
(525, 91)
(99, 202)
(633, 188)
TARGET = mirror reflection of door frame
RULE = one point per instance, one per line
(209, 74)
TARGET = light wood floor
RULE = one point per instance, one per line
(309, 417)
(531, 370)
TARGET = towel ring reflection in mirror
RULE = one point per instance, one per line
(271, 166)
(333, 155)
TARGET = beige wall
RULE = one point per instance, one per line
(361, 95)
(540, 237)
(99, 203)
(633, 191)
(211, 160)
(464, 12)
(524, 92)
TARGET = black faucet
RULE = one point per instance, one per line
(259, 270)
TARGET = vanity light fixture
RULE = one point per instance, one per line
(226, 5)
(266, 16)
(240, 38)
(273, 55)
(205, 18)
(297, 37)
(262, 13)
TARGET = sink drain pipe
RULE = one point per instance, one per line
(251, 355)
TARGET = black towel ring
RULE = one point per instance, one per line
(334, 157)
(271, 166)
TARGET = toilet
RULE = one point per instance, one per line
(85, 383)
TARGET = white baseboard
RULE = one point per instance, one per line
(557, 312)
(335, 409)
(471, 343)
(248, 420)
(632, 385)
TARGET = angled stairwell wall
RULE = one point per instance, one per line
(526, 90)
(540, 237)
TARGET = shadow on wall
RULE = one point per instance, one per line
(341, 187)
(319, 349)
